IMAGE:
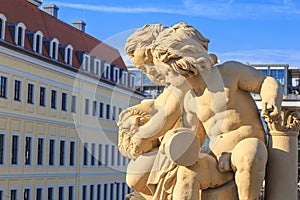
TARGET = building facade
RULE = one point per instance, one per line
(61, 92)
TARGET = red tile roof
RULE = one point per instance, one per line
(35, 19)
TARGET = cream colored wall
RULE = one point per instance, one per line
(25, 119)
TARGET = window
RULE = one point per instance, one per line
(26, 194)
(118, 191)
(112, 161)
(42, 96)
(101, 110)
(71, 193)
(64, 101)
(91, 192)
(112, 191)
(68, 51)
(124, 79)
(106, 151)
(116, 75)
(105, 192)
(28, 150)
(62, 153)
(39, 194)
(50, 193)
(40, 151)
(17, 90)
(87, 106)
(99, 155)
(132, 81)
(1, 194)
(2, 148)
(97, 67)
(38, 42)
(3, 87)
(120, 110)
(83, 192)
(94, 108)
(2, 26)
(14, 149)
(30, 93)
(98, 191)
(13, 194)
(53, 99)
(72, 153)
(114, 113)
(85, 154)
(51, 152)
(106, 73)
(86, 62)
(60, 193)
(107, 111)
(73, 104)
(19, 34)
(93, 154)
(53, 51)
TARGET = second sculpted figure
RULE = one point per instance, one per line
(204, 130)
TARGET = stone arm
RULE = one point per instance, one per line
(252, 80)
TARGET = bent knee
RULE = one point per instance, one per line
(249, 154)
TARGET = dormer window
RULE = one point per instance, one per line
(19, 34)
(97, 66)
(106, 71)
(86, 62)
(116, 74)
(37, 42)
(67, 53)
(54, 48)
(2, 26)
(124, 78)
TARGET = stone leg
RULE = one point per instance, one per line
(202, 175)
(249, 158)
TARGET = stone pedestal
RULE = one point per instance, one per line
(282, 168)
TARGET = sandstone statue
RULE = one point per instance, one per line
(202, 138)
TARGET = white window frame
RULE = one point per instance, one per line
(18, 149)
(65, 153)
(116, 74)
(89, 196)
(21, 89)
(56, 99)
(64, 190)
(86, 191)
(54, 40)
(93, 150)
(97, 66)
(17, 26)
(31, 150)
(73, 192)
(74, 159)
(3, 19)
(86, 107)
(35, 35)
(95, 108)
(83, 156)
(30, 192)
(100, 155)
(42, 191)
(53, 191)
(106, 155)
(17, 191)
(54, 152)
(132, 81)
(6, 87)
(100, 191)
(124, 79)
(4, 148)
(66, 58)
(86, 60)
(106, 71)
(33, 92)
(103, 110)
(43, 151)
(45, 97)
(76, 103)
(67, 104)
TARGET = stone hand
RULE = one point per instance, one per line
(270, 110)
(224, 164)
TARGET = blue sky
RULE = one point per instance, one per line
(250, 31)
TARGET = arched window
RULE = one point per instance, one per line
(38, 42)
(20, 34)
(53, 52)
(2, 26)
(68, 52)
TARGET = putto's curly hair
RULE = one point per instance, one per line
(184, 49)
(143, 37)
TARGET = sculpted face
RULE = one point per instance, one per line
(167, 71)
(138, 58)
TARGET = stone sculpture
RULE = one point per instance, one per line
(202, 137)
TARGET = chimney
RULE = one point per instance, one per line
(79, 24)
(35, 2)
(51, 9)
